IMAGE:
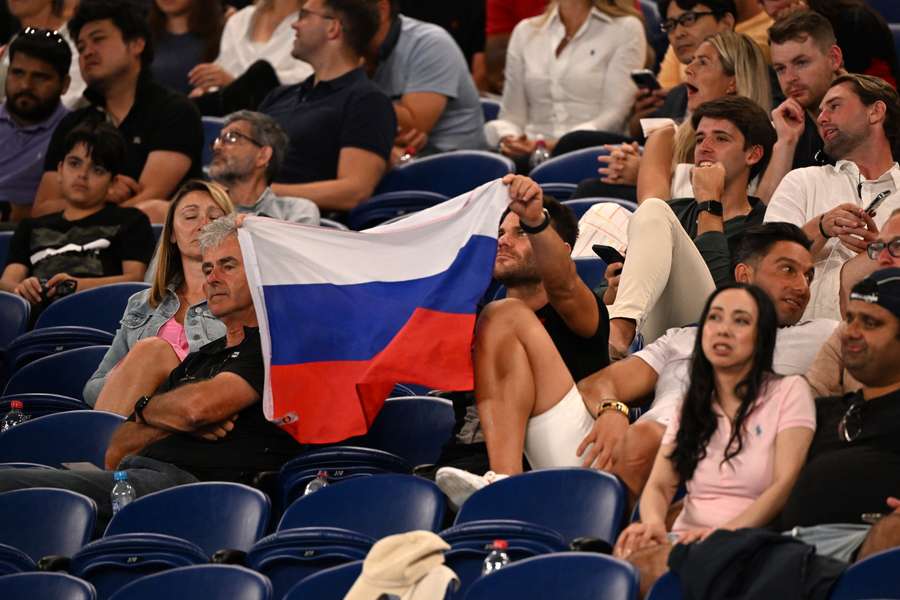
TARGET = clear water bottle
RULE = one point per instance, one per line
(122, 492)
(316, 484)
(540, 153)
(14, 416)
(408, 155)
(497, 559)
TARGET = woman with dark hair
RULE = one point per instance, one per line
(186, 33)
(741, 435)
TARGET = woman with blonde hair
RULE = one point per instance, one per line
(568, 69)
(163, 324)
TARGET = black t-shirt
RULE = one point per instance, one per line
(94, 246)
(842, 480)
(160, 119)
(463, 19)
(253, 445)
(810, 151)
(583, 356)
(322, 119)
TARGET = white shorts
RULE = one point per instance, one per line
(552, 438)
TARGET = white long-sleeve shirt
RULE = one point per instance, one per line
(588, 86)
(237, 51)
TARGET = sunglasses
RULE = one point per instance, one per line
(35, 33)
(850, 425)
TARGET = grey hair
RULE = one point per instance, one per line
(216, 232)
(267, 132)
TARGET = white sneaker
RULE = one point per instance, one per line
(459, 484)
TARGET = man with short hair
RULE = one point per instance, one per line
(340, 125)
(214, 395)
(841, 206)
(420, 67)
(36, 80)
(247, 155)
(161, 128)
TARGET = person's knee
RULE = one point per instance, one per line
(152, 353)
(652, 214)
(634, 454)
(884, 535)
(502, 316)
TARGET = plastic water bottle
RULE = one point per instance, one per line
(497, 559)
(408, 155)
(540, 153)
(316, 484)
(14, 416)
(122, 492)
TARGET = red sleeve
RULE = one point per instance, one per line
(504, 15)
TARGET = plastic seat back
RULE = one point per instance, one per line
(384, 207)
(48, 521)
(330, 584)
(100, 307)
(39, 405)
(375, 506)
(66, 437)
(560, 191)
(14, 313)
(490, 109)
(13, 560)
(570, 167)
(34, 586)
(889, 9)
(573, 502)
(415, 428)
(5, 237)
(64, 373)
(877, 576)
(40, 343)
(210, 582)
(213, 515)
(450, 173)
(591, 270)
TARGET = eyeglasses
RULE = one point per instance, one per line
(233, 137)
(685, 20)
(875, 249)
(37, 33)
(305, 12)
(850, 425)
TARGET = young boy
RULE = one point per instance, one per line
(90, 242)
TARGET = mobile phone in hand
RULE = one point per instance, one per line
(645, 79)
(609, 254)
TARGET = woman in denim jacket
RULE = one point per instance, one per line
(161, 325)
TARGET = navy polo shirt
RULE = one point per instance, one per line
(321, 119)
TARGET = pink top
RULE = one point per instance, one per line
(720, 492)
(173, 332)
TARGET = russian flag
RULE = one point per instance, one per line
(344, 316)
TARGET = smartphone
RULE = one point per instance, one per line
(645, 79)
(609, 254)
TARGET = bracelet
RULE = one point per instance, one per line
(822, 229)
(537, 228)
(612, 405)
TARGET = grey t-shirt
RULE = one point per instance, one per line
(284, 208)
(426, 59)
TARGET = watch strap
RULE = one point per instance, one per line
(713, 207)
(139, 407)
(613, 405)
(537, 228)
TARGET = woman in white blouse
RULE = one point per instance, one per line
(261, 31)
(568, 69)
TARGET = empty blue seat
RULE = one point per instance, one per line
(330, 584)
(39, 405)
(450, 173)
(115, 561)
(45, 521)
(13, 560)
(375, 506)
(384, 207)
(571, 167)
(14, 313)
(100, 307)
(414, 428)
(490, 109)
(39, 343)
(64, 373)
(573, 502)
(213, 515)
(212, 126)
(877, 576)
(895, 31)
(291, 555)
(560, 191)
(35, 586)
(667, 587)
(591, 270)
(71, 436)
(210, 582)
(889, 9)
(562, 576)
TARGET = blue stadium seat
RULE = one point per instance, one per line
(490, 108)
(570, 167)
(340, 462)
(39, 343)
(375, 506)
(14, 313)
(582, 205)
(5, 237)
(330, 584)
(112, 562)
(100, 307)
(64, 373)
(34, 586)
(40, 405)
(210, 582)
(45, 521)
(591, 270)
(873, 577)
(470, 544)
(889, 9)
(13, 560)
(560, 191)
(214, 515)
(561, 576)
(211, 128)
(72, 436)
(658, 40)
(450, 173)
(414, 428)
(895, 30)
(386, 206)
(573, 502)
(667, 587)
(290, 556)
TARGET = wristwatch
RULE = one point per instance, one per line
(139, 407)
(537, 228)
(713, 207)
(612, 405)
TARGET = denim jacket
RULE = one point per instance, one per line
(142, 321)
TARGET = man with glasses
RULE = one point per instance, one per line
(340, 125)
(850, 478)
(36, 80)
(247, 156)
